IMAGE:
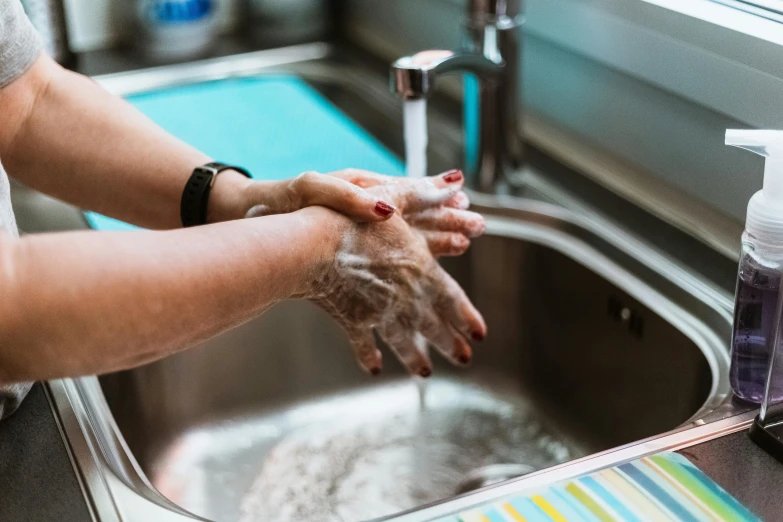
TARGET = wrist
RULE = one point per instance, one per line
(327, 233)
(227, 197)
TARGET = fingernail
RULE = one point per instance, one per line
(463, 359)
(477, 336)
(453, 176)
(375, 371)
(384, 209)
(425, 372)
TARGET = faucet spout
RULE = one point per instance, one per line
(491, 58)
(415, 76)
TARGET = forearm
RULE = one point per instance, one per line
(76, 142)
(87, 302)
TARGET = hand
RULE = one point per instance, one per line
(384, 279)
(435, 206)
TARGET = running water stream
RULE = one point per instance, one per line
(414, 118)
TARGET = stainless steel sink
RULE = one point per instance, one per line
(596, 340)
(274, 421)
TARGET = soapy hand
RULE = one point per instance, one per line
(385, 280)
(435, 206)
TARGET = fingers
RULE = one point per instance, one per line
(447, 230)
(459, 200)
(445, 219)
(413, 195)
(449, 179)
(367, 354)
(455, 307)
(447, 341)
(446, 243)
(311, 188)
(409, 347)
(363, 178)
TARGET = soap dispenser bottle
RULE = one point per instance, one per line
(756, 309)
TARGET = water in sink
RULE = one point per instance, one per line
(355, 456)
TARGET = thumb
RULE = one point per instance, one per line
(312, 188)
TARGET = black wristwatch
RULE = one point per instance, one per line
(195, 197)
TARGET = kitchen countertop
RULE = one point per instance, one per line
(37, 479)
(743, 469)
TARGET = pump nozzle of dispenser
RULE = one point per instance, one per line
(765, 209)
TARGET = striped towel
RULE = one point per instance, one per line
(664, 487)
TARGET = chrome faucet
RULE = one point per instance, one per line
(491, 53)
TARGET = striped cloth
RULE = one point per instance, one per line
(664, 487)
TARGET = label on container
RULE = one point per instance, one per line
(165, 12)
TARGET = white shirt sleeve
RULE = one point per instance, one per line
(19, 42)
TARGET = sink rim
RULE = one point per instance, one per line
(114, 484)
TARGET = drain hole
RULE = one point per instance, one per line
(481, 477)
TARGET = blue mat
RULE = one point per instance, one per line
(277, 127)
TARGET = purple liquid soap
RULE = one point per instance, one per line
(754, 319)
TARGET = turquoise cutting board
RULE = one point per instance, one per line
(277, 127)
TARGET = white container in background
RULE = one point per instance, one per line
(174, 29)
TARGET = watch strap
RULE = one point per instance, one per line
(195, 197)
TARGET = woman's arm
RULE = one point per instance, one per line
(92, 302)
(63, 135)
(69, 138)
(88, 302)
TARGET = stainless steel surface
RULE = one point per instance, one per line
(492, 474)
(283, 426)
(492, 52)
(598, 340)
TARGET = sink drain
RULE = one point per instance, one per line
(481, 477)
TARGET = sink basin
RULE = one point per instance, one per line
(595, 341)
(274, 420)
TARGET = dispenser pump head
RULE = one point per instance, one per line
(765, 209)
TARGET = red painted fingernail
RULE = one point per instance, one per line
(384, 209)
(425, 372)
(477, 336)
(453, 176)
(464, 359)
(375, 371)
